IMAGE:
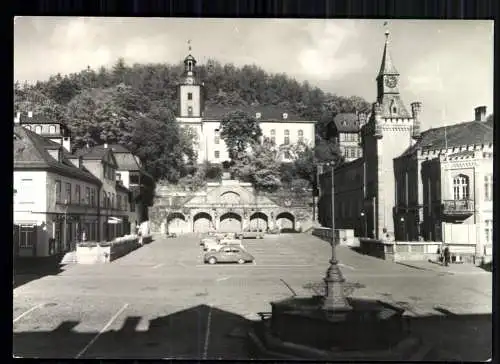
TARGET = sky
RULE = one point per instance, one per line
(445, 64)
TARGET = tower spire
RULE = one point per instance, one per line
(189, 45)
(387, 66)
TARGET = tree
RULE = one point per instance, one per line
(259, 166)
(239, 130)
(489, 119)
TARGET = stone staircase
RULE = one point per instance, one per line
(69, 258)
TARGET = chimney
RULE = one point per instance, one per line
(105, 145)
(30, 114)
(480, 112)
(66, 143)
(416, 108)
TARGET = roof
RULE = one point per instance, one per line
(466, 133)
(268, 112)
(95, 152)
(127, 162)
(387, 66)
(119, 186)
(31, 152)
(347, 122)
(37, 119)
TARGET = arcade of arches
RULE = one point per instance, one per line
(230, 206)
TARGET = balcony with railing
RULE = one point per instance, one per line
(458, 208)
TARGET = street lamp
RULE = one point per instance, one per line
(403, 227)
(365, 224)
(334, 300)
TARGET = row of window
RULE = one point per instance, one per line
(352, 152)
(300, 134)
(349, 137)
(38, 129)
(89, 198)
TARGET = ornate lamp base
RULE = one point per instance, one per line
(335, 299)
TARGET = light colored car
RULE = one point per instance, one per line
(229, 254)
(217, 245)
(251, 235)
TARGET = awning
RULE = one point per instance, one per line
(114, 220)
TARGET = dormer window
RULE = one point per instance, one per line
(394, 110)
(285, 115)
(258, 115)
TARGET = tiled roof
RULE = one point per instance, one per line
(346, 122)
(466, 133)
(96, 152)
(37, 119)
(127, 162)
(31, 152)
(268, 113)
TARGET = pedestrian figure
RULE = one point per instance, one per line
(446, 256)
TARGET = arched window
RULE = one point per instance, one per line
(28, 127)
(287, 137)
(300, 134)
(461, 187)
(52, 129)
(38, 129)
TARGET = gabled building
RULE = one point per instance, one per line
(346, 129)
(120, 215)
(133, 176)
(55, 196)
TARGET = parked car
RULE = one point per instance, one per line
(228, 254)
(251, 235)
(171, 235)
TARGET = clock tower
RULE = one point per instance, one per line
(190, 90)
(388, 86)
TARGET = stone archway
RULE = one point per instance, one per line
(259, 222)
(202, 221)
(285, 221)
(177, 223)
(230, 222)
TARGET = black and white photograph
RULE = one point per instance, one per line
(237, 188)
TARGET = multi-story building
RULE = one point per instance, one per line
(280, 126)
(59, 194)
(134, 177)
(413, 185)
(117, 212)
(55, 196)
(346, 128)
(444, 187)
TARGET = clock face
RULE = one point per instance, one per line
(189, 81)
(391, 81)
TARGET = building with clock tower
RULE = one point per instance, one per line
(364, 187)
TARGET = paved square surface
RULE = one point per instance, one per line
(161, 301)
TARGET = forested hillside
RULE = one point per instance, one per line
(135, 105)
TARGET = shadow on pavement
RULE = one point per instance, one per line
(30, 269)
(182, 335)
(204, 332)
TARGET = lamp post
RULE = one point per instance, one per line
(403, 227)
(334, 300)
(365, 225)
(65, 231)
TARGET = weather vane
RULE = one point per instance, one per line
(386, 25)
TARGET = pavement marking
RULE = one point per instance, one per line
(27, 312)
(222, 279)
(102, 331)
(207, 333)
(158, 266)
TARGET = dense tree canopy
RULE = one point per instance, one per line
(134, 105)
(239, 130)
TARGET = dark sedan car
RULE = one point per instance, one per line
(229, 254)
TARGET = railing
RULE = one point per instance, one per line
(452, 207)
